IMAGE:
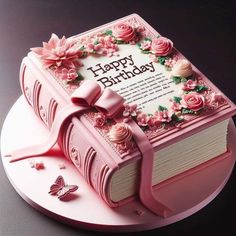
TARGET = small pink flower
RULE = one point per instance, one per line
(120, 133)
(39, 165)
(161, 46)
(66, 74)
(153, 123)
(145, 45)
(176, 106)
(153, 58)
(142, 119)
(170, 62)
(189, 85)
(124, 32)
(99, 120)
(193, 101)
(129, 111)
(163, 116)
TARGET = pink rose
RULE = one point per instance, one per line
(99, 120)
(124, 32)
(161, 46)
(193, 101)
(182, 68)
(120, 133)
(190, 85)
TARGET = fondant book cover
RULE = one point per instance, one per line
(127, 108)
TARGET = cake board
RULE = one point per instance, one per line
(84, 209)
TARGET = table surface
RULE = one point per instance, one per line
(204, 32)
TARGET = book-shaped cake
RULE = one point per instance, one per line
(127, 108)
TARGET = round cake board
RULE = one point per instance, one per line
(84, 208)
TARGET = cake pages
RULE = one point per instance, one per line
(127, 108)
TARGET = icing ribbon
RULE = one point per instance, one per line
(146, 193)
(88, 95)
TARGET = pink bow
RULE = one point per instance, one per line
(91, 94)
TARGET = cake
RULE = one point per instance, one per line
(127, 109)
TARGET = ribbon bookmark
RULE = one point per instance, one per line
(40, 149)
(88, 95)
(146, 193)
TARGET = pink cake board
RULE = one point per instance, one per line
(84, 208)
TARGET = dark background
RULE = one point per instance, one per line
(204, 31)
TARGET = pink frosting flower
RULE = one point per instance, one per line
(142, 119)
(99, 119)
(153, 123)
(176, 106)
(120, 133)
(129, 111)
(163, 116)
(214, 99)
(101, 45)
(161, 46)
(189, 85)
(170, 62)
(193, 101)
(145, 45)
(153, 58)
(182, 68)
(124, 32)
(59, 52)
(66, 74)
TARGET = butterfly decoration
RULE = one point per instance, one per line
(61, 189)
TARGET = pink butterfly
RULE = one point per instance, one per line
(61, 189)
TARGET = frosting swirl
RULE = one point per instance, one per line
(120, 133)
(182, 68)
(161, 46)
(124, 32)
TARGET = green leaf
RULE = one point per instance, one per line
(145, 51)
(139, 45)
(120, 42)
(177, 99)
(108, 32)
(183, 80)
(176, 118)
(162, 60)
(176, 79)
(191, 77)
(187, 111)
(80, 77)
(161, 108)
(147, 39)
(82, 48)
(96, 42)
(200, 88)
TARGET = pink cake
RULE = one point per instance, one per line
(127, 108)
